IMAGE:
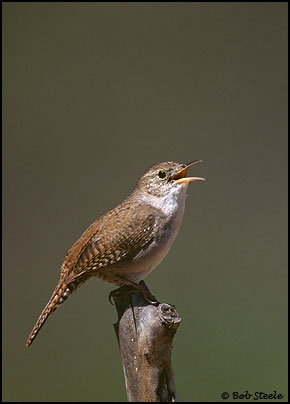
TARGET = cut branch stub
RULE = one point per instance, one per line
(145, 333)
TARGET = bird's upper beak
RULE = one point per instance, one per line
(180, 177)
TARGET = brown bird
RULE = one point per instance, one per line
(124, 245)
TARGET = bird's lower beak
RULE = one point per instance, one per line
(181, 178)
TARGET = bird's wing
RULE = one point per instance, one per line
(110, 239)
(124, 229)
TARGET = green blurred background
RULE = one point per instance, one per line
(93, 94)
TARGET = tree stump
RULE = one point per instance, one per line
(145, 333)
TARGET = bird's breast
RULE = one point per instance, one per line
(138, 266)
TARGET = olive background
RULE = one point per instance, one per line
(95, 93)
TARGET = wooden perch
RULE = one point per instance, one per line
(145, 333)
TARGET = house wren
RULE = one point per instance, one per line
(124, 245)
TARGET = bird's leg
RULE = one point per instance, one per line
(133, 287)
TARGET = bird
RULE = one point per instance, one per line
(124, 245)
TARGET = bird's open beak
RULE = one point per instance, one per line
(180, 177)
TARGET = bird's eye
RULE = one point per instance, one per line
(162, 174)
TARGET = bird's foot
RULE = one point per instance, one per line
(133, 288)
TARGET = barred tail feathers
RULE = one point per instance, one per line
(59, 296)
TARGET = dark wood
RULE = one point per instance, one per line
(145, 333)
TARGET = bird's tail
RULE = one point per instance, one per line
(60, 294)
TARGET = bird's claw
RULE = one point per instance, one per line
(130, 290)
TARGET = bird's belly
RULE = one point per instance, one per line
(139, 266)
